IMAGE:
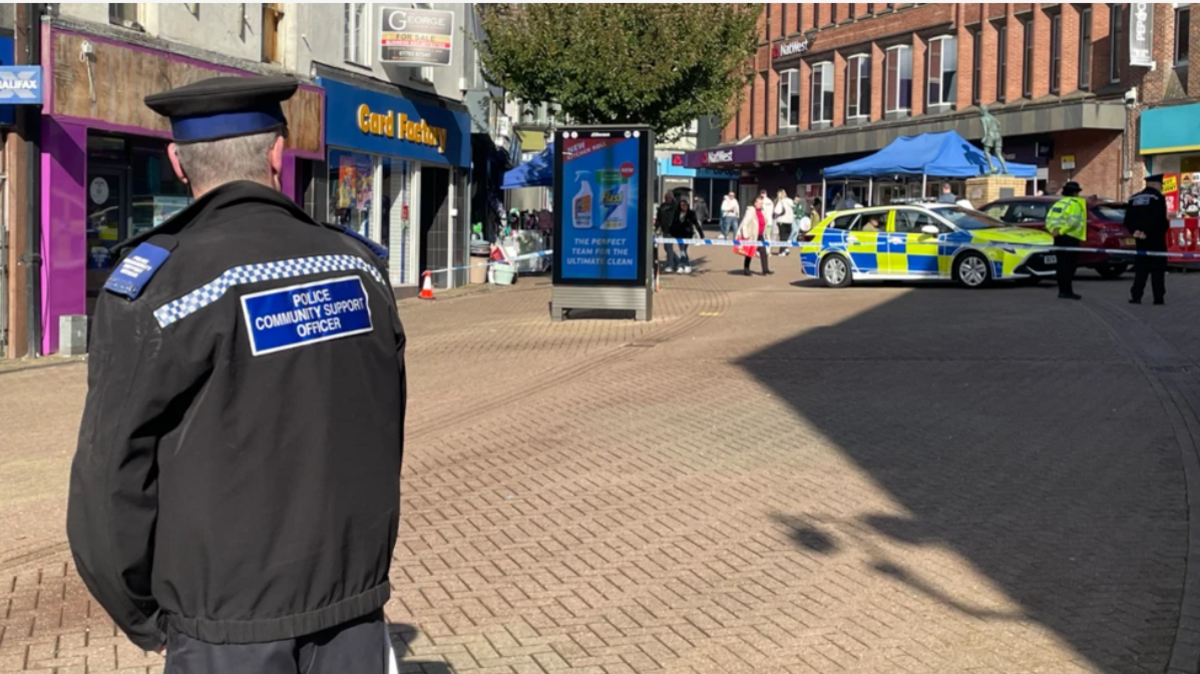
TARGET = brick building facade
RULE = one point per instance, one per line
(838, 81)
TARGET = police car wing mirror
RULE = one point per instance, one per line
(931, 230)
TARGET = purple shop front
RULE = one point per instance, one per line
(721, 157)
(105, 171)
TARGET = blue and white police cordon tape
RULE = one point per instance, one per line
(518, 258)
(975, 244)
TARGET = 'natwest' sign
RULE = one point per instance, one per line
(791, 48)
(718, 157)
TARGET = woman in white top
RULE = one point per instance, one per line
(785, 217)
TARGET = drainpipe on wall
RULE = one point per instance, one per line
(33, 197)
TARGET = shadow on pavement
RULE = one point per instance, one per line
(403, 635)
(1013, 432)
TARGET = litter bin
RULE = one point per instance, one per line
(478, 268)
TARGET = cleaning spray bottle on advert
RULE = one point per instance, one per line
(614, 199)
(581, 205)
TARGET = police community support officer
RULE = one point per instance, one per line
(1146, 219)
(1067, 221)
(235, 494)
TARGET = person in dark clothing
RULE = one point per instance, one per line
(1146, 219)
(685, 226)
(664, 221)
(235, 494)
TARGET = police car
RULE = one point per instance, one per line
(922, 241)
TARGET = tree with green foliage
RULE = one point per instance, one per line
(663, 65)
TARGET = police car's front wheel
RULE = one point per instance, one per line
(835, 271)
(973, 270)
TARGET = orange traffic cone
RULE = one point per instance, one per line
(427, 288)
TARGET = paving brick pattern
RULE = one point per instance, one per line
(771, 477)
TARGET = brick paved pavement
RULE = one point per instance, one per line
(770, 478)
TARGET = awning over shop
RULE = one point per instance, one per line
(1171, 129)
(537, 172)
(940, 155)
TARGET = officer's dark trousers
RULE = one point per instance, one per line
(1156, 269)
(1067, 261)
(358, 647)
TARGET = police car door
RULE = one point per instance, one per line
(863, 245)
(910, 250)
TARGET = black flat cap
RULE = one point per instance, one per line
(1072, 188)
(225, 107)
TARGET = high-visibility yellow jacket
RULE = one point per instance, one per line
(1068, 217)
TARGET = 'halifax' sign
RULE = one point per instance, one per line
(20, 85)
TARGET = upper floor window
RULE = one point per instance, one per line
(943, 71)
(1085, 48)
(833, 12)
(816, 15)
(858, 87)
(1183, 19)
(1027, 75)
(356, 45)
(123, 13)
(789, 99)
(976, 65)
(870, 8)
(897, 92)
(822, 94)
(272, 14)
(853, 9)
(1002, 63)
(1116, 22)
(1056, 53)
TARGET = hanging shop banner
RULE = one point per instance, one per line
(416, 37)
(1141, 34)
(601, 182)
(1171, 192)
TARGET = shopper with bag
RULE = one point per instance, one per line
(757, 227)
(785, 217)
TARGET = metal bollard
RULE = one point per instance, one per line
(72, 335)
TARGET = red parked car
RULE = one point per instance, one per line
(1105, 228)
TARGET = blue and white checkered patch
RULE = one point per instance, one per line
(253, 273)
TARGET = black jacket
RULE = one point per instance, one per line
(237, 475)
(664, 221)
(1147, 212)
(685, 226)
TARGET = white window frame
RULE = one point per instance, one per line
(1056, 51)
(1116, 26)
(826, 68)
(789, 84)
(1182, 7)
(949, 49)
(1085, 49)
(863, 62)
(893, 106)
(356, 37)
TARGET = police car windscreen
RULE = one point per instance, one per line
(968, 219)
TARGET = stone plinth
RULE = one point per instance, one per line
(985, 189)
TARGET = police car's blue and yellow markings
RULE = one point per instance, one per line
(973, 254)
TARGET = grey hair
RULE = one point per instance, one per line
(212, 163)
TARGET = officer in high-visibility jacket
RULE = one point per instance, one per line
(1067, 221)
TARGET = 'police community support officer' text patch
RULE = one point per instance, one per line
(306, 314)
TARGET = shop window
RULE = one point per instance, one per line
(943, 71)
(822, 94)
(1002, 63)
(352, 191)
(858, 87)
(1027, 75)
(357, 33)
(272, 14)
(1116, 22)
(1085, 49)
(789, 99)
(897, 94)
(1056, 54)
(1183, 19)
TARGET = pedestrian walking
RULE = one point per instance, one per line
(730, 212)
(756, 226)
(785, 217)
(947, 195)
(235, 495)
(1146, 219)
(685, 226)
(700, 206)
(1067, 222)
(664, 221)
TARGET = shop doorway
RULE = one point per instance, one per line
(435, 222)
(108, 206)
